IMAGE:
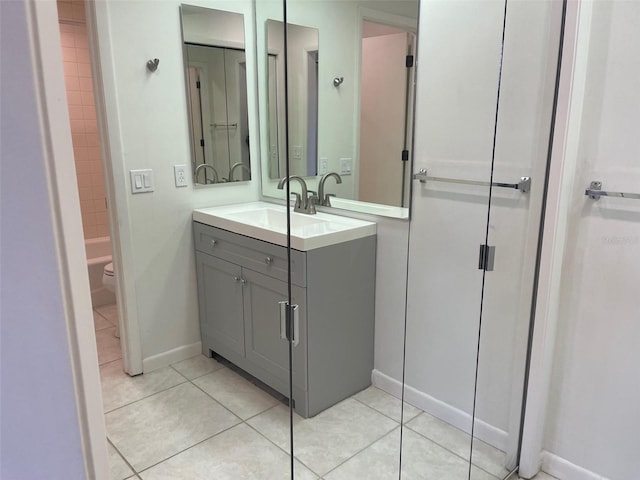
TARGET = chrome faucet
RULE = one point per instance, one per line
(325, 200)
(303, 204)
(204, 166)
(234, 167)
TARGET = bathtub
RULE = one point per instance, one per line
(98, 255)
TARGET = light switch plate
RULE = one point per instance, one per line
(141, 180)
(346, 164)
(180, 174)
(323, 166)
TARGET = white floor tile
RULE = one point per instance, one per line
(197, 366)
(328, 439)
(542, 476)
(100, 323)
(157, 427)
(236, 393)
(119, 389)
(119, 468)
(386, 404)
(422, 459)
(236, 454)
(484, 456)
(108, 346)
(109, 311)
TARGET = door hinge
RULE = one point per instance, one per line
(289, 323)
(486, 258)
(405, 155)
(409, 61)
(202, 142)
(198, 84)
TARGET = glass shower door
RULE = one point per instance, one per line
(523, 133)
(459, 63)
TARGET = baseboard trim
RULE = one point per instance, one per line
(171, 356)
(445, 412)
(563, 469)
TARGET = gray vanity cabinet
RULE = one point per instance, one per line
(241, 281)
(220, 294)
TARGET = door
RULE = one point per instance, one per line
(220, 284)
(264, 344)
(484, 129)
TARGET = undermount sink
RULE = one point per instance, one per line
(268, 222)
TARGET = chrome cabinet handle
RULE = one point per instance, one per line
(237, 279)
(213, 242)
(243, 281)
(268, 260)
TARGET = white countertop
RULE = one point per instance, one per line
(267, 222)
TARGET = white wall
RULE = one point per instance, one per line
(147, 123)
(44, 299)
(593, 418)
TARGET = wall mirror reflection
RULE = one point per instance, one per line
(302, 45)
(350, 94)
(216, 75)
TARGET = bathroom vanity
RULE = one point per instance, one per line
(241, 260)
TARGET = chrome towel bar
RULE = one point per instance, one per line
(224, 125)
(594, 191)
(524, 185)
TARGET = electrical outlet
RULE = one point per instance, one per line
(180, 173)
(345, 166)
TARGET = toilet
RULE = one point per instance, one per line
(109, 283)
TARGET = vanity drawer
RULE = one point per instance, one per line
(256, 255)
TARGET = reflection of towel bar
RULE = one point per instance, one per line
(224, 125)
(524, 185)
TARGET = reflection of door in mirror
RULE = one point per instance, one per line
(386, 74)
(220, 128)
(302, 44)
(214, 56)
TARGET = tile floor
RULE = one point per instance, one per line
(198, 419)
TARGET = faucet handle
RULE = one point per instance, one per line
(327, 199)
(298, 203)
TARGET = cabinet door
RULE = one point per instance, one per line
(263, 345)
(220, 298)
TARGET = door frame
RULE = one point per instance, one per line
(562, 172)
(120, 222)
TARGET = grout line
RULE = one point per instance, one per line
(145, 397)
(363, 449)
(189, 448)
(109, 362)
(286, 452)
(376, 410)
(448, 449)
(122, 456)
(104, 316)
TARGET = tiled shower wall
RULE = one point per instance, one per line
(82, 113)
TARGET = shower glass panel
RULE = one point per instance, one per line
(355, 290)
(523, 132)
(459, 59)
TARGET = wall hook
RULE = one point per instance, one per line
(152, 65)
(337, 81)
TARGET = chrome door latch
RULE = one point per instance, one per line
(289, 323)
(486, 258)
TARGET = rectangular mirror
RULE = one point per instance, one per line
(351, 82)
(216, 76)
